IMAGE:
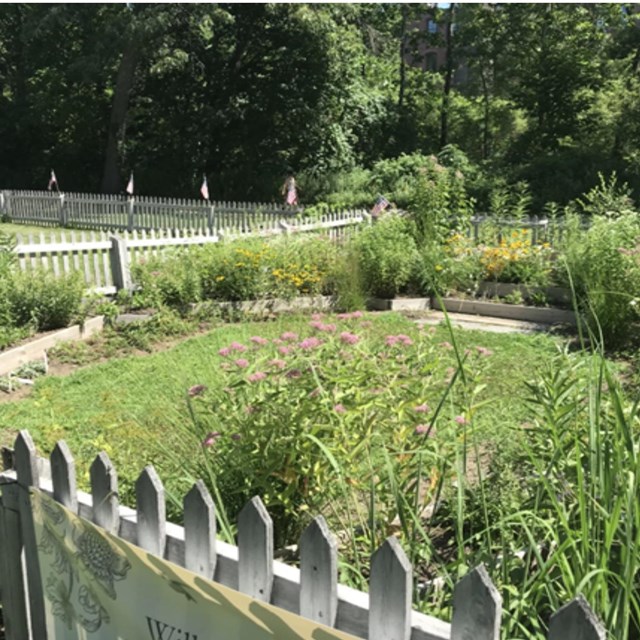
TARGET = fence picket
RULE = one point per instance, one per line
(14, 604)
(27, 473)
(477, 607)
(97, 279)
(319, 573)
(255, 550)
(576, 621)
(390, 593)
(200, 531)
(104, 490)
(152, 526)
(63, 476)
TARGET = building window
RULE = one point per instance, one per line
(432, 27)
(431, 61)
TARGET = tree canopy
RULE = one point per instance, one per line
(546, 93)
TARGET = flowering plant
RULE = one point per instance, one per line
(302, 418)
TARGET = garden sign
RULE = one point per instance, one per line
(99, 586)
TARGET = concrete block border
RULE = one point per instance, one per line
(510, 311)
(399, 304)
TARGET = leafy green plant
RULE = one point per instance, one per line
(608, 198)
(44, 300)
(172, 280)
(603, 264)
(580, 527)
(388, 257)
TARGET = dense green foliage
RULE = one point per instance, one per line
(33, 301)
(543, 93)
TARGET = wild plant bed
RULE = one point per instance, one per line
(372, 423)
(270, 305)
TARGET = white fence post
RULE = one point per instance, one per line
(131, 215)
(120, 270)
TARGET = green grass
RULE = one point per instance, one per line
(25, 229)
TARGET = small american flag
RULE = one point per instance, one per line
(292, 195)
(52, 180)
(129, 188)
(204, 189)
(381, 204)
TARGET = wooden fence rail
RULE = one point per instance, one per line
(104, 259)
(312, 591)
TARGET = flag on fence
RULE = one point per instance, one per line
(381, 204)
(53, 180)
(204, 189)
(130, 185)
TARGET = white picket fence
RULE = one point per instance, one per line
(384, 613)
(104, 259)
(123, 213)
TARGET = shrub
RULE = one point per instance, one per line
(388, 257)
(173, 280)
(451, 266)
(44, 300)
(604, 265)
(235, 272)
(439, 204)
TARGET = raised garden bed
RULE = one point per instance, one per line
(511, 311)
(14, 358)
(558, 296)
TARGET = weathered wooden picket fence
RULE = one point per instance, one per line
(104, 259)
(122, 213)
(312, 591)
(538, 229)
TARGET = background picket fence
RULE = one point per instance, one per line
(122, 213)
(104, 259)
(312, 591)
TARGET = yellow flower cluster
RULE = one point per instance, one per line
(302, 277)
(518, 247)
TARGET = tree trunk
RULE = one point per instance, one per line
(402, 69)
(444, 114)
(119, 108)
(485, 119)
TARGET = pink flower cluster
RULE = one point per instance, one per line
(289, 336)
(483, 351)
(259, 340)
(197, 390)
(422, 408)
(390, 340)
(242, 363)
(310, 343)
(349, 338)
(210, 438)
(354, 315)
(257, 376)
(321, 326)
(278, 363)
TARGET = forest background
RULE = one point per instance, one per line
(539, 94)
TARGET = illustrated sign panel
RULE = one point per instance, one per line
(99, 586)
